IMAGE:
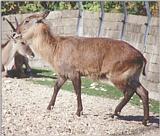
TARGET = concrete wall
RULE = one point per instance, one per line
(65, 23)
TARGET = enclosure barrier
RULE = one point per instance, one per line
(123, 3)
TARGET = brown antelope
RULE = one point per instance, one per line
(99, 58)
(10, 48)
(19, 59)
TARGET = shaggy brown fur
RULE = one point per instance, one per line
(99, 58)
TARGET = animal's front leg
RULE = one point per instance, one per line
(28, 68)
(4, 71)
(76, 81)
(60, 81)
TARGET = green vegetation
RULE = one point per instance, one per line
(135, 7)
(47, 77)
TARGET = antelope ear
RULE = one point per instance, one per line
(11, 37)
(15, 36)
(43, 16)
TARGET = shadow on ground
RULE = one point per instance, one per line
(152, 119)
(36, 73)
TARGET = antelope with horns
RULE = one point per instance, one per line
(11, 52)
(99, 58)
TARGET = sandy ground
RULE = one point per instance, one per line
(24, 114)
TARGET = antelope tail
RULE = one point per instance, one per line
(144, 67)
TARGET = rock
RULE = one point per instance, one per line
(7, 81)
(155, 125)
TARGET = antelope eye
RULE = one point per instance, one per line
(26, 21)
(22, 43)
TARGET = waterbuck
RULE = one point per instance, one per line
(10, 48)
(19, 59)
(99, 58)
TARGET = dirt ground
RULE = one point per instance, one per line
(25, 114)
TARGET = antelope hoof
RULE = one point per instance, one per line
(145, 122)
(115, 115)
(29, 73)
(79, 113)
(49, 107)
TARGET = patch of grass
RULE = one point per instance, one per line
(44, 82)
(48, 78)
(135, 100)
(45, 73)
(154, 106)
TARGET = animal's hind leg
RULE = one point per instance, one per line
(60, 81)
(128, 93)
(143, 94)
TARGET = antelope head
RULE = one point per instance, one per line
(29, 25)
(20, 45)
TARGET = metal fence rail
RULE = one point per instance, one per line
(124, 21)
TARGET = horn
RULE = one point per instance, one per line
(9, 37)
(16, 22)
(10, 24)
(45, 14)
